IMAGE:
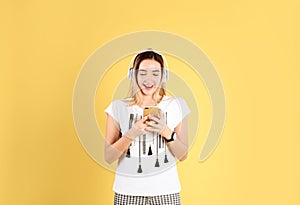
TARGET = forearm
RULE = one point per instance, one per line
(113, 151)
(116, 150)
(178, 148)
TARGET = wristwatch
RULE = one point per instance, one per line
(173, 137)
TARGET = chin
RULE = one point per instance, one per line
(148, 92)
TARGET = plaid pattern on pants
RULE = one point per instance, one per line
(169, 199)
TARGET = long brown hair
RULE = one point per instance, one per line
(135, 93)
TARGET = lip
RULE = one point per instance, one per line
(148, 86)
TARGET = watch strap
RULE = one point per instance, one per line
(172, 138)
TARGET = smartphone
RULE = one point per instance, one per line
(153, 110)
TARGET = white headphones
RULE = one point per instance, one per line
(165, 64)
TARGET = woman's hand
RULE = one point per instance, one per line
(137, 129)
(158, 124)
(155, 124)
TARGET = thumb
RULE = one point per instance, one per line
(145, 118)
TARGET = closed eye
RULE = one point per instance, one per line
(156, 72)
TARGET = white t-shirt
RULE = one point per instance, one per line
(140, 172)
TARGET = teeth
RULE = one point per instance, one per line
(148, 85)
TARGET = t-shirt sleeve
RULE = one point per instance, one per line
(183, 110)
(112, 110)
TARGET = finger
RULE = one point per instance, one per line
(154, 125)
(151, 129)
(155, 119)
(153, 122)
(144, 125)
(145, 118)
(160, 113)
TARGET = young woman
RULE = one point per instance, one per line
(147, 147)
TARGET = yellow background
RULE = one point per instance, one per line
(254, 46)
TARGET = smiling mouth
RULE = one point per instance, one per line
(148, 86)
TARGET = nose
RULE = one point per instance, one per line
(148, 77)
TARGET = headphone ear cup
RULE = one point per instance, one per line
(130, 73)
(165, 76)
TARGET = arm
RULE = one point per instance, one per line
(179, 147)
(115, 145)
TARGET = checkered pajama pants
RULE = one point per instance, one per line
(169, 199)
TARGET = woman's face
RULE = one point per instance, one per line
(149, 76)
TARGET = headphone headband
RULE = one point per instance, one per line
(165, 64)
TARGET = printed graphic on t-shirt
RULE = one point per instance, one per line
(148, 154)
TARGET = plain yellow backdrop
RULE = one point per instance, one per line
(254, 46)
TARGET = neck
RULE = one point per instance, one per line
(149, 101)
